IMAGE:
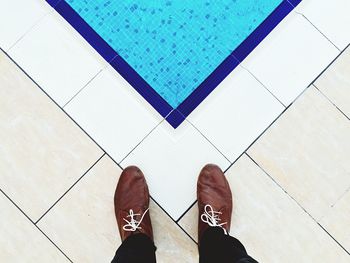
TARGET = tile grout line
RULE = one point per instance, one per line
(329, 65)
(144, 138)
(341, 197)
(296, 202)
(174, 221)
(187, 210)
(75, 183)
(336, 241)
(264, 86)
(329, 100)
(319, 75)
(307, 19)
(187, 234)
(87, 84)
(105, 67)
(259, 136)
(31, 221)
(210, 142)
(36, 23)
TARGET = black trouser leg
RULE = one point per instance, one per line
(216, 247)
(137, 248)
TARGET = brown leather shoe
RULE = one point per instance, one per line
(214, 200)
(131, 204)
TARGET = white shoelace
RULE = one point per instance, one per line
(133, 224)
(212, 218)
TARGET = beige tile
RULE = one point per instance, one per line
(307, 152)
(21, 241)
(42, 152)
(269, 223)
(335, 82)
(86, 214)
(337, 221)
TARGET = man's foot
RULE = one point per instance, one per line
(214, 200)
(131, 203)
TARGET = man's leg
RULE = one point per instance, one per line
(215, 209)
(138, 248)
(131, 205)
(216, 246)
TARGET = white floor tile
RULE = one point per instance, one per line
(57, 58)
(291, 57)
(83, 223)
(17, 17)
(331, 17)
(236, 113)
(21, 241)
(271, 226)
(113, 113)
(171, 160)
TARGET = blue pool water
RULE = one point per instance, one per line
(174, 45)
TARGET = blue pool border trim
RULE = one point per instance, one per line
(174, 116)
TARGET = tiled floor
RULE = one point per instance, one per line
(279, 124)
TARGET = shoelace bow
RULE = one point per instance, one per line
(212, 218)
(133, 224)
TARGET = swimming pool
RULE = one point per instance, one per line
(174, 53)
